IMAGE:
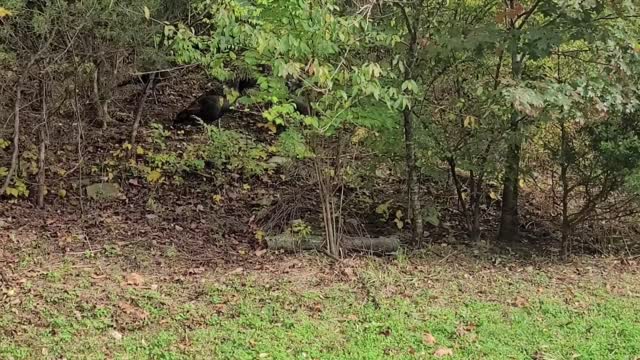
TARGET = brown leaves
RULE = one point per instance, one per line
(134, 279)
(134, 312)
(510, 14)
(349, 273)
(443, 352)
(464, 330)
(520, 302)
(429, 339)
(116, 335)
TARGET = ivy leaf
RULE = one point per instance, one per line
(147, 13)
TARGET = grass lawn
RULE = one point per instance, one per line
(302, 307)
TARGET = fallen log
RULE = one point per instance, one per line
(293, 242)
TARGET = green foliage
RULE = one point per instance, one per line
(235, 152)
(18, 189)
(291, 144)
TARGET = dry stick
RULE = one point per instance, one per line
(43, 147)
(16, 115)
(143, 99)
(16, 138)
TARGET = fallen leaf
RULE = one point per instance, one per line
(349, 272)
(116, 335)
(463, 330)
(520, 302)
(196, 271)
(429, 339)
(239, 270)
(5, 12)
(134, 279)
(442, 352)
(261, 252)
(133, 311)
(219, 308)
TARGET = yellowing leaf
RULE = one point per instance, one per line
(62, 193)
(147, 13)
(246, 187)
(493, 195)
(521, 183)
(217, 198)
(5, 12)
(383, 208)
(399, 223)
(139, 150)
(260, 235)
(359, 135)
(154, 176)
(271, 127)
(469, 121)
(126, 146)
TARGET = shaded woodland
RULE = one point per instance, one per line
(210, 125)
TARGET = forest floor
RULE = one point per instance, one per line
(122, 301)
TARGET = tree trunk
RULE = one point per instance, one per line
(351, 244)
(101, 104)
(476, 196)
(16, 138)
(509, 222)
(413, 190)
(564, 169)
(43, 148)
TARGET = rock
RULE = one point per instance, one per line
(104, 191)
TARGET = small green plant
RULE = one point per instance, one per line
(301, 228)
(18, 189)
(159, 135)
(231, 150)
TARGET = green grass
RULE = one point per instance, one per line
(384, 313)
